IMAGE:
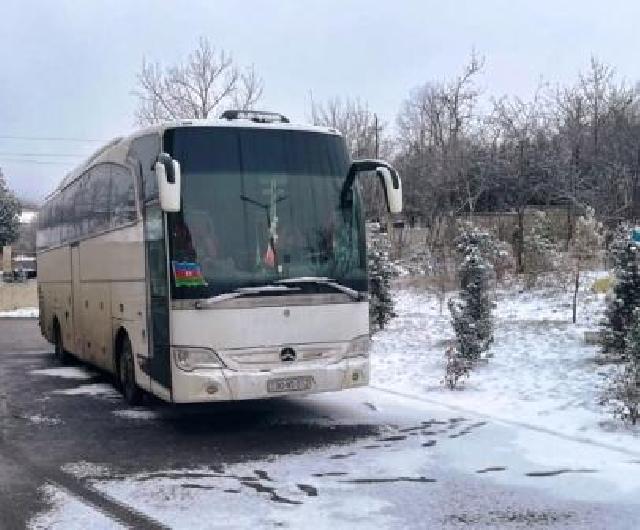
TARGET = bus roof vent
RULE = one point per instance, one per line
(257, 116)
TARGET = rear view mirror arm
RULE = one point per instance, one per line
(368, 164)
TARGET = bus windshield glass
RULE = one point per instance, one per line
(260, 206)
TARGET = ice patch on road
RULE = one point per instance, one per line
(137, 414)
(43, 420)
(25, 312)
(69, 372)
(85, 469)
(69, 513)
(94, 389)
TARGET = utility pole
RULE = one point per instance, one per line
(375, 125)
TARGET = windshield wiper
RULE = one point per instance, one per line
(243, 291)
(319, 280)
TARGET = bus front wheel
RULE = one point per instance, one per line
(130, 390)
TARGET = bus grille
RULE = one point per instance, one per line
(271, 357)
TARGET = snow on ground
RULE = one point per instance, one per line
(25, 312)
(137, 414)
(67, 372)
(407, 473)
(542, 372)
(38, 419)
(68, 512)
(94, 389)
(333, 487)
(541, 375)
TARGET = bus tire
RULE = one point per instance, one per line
(126, 371)
(59, 352)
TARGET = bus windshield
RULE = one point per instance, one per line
(260, 206)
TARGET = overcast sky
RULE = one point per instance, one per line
(67, 68)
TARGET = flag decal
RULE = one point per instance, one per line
(188, 274)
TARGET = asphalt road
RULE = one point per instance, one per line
(42, 432)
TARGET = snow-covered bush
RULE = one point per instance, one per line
(456, 367)
(618, 240)
(471, 312)
(626, 389)
(624, 300)
(381, 309)
(496, 252)
(588, 237)
(539, 249)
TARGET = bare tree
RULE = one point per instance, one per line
(362, 130)
(598, 130)
(595, 87)
(525, 157)
(435, 125)
(364, 135)
(207, 81)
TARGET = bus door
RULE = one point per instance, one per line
(76, 302)
(157, 298)
(143, 154)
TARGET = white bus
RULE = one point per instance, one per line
(213, 260)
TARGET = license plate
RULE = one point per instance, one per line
(290, 384)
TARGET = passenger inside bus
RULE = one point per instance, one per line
(197, 241)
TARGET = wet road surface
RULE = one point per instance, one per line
(374, 459)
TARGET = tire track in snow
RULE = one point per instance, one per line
(40, 475)
(513, 423)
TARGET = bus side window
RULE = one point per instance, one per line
(144, 152)
(123, 199)
(56, 221)
(67, 214)
(74, 219)
(43, 227)
(82, 206)
(97, 195)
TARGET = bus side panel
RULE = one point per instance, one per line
(113, 277)
(54, 281)
(96, 323)
(128, 310)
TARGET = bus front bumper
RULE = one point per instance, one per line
(222, 384)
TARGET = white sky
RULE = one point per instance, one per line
(67, 67)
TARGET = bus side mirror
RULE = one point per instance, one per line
(168, 174)
(389, 179)
(392, 189)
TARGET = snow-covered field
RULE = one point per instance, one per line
(542, 372)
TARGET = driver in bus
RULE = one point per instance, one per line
(203, 236)
(196, 240)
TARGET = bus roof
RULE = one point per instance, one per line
(116, 150)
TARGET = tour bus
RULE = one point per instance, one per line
(213, 260)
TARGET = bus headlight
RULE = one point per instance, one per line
(188, 359)
(358, 347)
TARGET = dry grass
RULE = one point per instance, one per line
(602, 285)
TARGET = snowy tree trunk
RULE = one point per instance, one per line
(520, 242)
(575, 294)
